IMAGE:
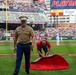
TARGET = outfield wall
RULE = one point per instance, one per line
(49, 38)
(65, 38)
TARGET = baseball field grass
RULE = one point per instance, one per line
(67, 49)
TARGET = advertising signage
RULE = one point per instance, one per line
(63, 4)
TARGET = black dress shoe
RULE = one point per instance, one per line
(27, 72)
(15, 74)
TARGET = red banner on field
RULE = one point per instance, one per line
(54, 62)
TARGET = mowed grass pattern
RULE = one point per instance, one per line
(7, 63)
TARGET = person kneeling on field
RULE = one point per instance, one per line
(45, 45)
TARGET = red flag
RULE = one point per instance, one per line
(54, 62)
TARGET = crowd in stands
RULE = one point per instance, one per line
(64, 31)
(22, 4)
(2, 33)
(2, 4)
(32, 17)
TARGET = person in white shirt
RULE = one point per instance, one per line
(57, 39)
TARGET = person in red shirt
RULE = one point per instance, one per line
(45, 45)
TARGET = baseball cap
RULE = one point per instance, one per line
(23, 18)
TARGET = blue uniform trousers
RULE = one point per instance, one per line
(45, 48)
(23, 48)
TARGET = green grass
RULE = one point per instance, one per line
(6, 48)
(64, 49)
(63, 41)
(7, 63)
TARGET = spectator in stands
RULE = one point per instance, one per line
(22, 35)
(45, 45)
